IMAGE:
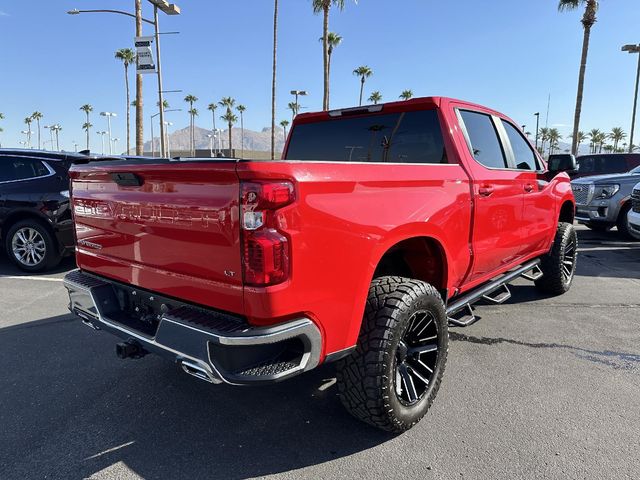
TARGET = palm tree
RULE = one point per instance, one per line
(86, 126)
(28, 121)
(212, 108)
(363, 72)
(241, 109)
(581, 138)
(588, 20)
(193, 113)
(617, 135)
(333, 40)
(191, 99)
(594, 137)
(294, 107)
(87, 109)
(273, 81)
(406, 94)
(230, 118)
(601, 140)
(284, 124)
(165, 104)
(324, 6)
(375, 97)
(127, 56)
(543, 133)
(37, 116)
(554, 138)
(227, 102)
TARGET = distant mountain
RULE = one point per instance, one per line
(257, 141)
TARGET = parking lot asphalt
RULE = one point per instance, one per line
(538, 388)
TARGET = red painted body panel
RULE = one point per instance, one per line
(177, 234)
(180, 233)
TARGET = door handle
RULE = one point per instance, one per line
(485, 190)
(528, 187)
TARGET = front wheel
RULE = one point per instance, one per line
(394, 374)
(623, 223)
(559, 265)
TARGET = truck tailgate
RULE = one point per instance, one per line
(171, 227)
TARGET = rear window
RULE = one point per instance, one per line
(597, 164)
(407, 137)
(21, 169)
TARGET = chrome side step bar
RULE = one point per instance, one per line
(460, 311)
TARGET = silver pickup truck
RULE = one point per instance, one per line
(604, 201)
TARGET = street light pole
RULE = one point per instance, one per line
(109, 115)
(159, 71)
(537, 115)
(57, 129)
(169, 9)
(162, 129)
(210, 137)
(633, 49)
(296, 93)
(102, 134)
(139, 98)
(166, 135)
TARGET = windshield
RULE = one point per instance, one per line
(408, 137)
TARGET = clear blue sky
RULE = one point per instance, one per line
(505, 54)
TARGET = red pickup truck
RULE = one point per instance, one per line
(378, 228)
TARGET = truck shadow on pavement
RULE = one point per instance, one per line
(73, 409)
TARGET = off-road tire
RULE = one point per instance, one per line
(555, 280)
(51, 254)
(367, 378)
(623, 223)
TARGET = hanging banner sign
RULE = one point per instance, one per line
(144, 49)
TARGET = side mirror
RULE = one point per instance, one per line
(562, 162)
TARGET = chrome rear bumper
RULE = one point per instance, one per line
(208, 345)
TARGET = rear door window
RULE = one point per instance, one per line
(407, 137)
(12, 169)
(483, 139)
(525, 158)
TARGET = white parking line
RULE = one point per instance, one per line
(109, 450)
(27, 277)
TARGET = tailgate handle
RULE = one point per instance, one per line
(127, 179)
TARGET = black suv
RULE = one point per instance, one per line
(35, 217)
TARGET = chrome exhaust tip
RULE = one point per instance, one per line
(197, 371)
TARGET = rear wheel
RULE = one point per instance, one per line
(559, 265)
(394, 374)
(31, 247)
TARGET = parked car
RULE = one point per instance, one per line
(604, 201)
(35, 218)
(605, 163)
(633, 218)
(380, 226)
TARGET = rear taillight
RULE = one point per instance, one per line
(266, 249)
